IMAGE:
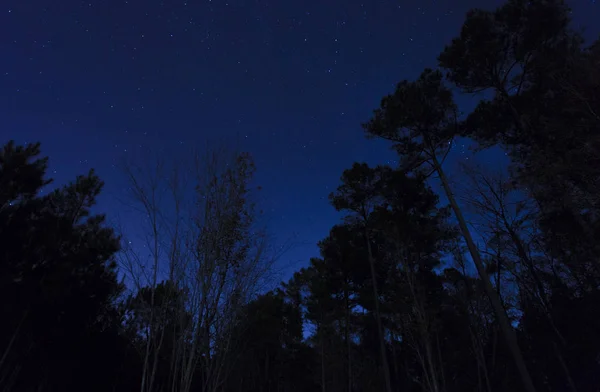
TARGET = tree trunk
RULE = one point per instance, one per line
(347, 337)
(544, 302)
(395, 360)
(13, 338)
(384, 362)
(428, 361)
(502, 317)
(323, 389)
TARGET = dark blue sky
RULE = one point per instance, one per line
(288, 81)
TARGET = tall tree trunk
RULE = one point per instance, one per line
(13, 338)
(395, 359)
(543, 300)
(384, 362)
(323, 389)
(502, 317)
(422, 324)
(347, 337)
(476, 343)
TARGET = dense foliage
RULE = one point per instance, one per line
(394, 302)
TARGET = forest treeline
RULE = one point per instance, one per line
(499, 290)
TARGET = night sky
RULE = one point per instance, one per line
(289, 81)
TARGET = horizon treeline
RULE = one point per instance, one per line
(402, 296)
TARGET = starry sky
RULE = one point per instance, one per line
(288, 81)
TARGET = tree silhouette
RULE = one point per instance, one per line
(544, 112)
(56, 264)
(420, 118)
(358, 194)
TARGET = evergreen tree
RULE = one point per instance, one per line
(420, 118)
(57, 268)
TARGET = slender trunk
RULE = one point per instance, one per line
(479, 388)
(347, 338)
(13, 338)
(395, 359)
(151, 329)
(267, 379)
(503, 321)
(323, 389)
(175, 357)
(499, 279)
(222, 362)
(428, 362)
(156, 358)
(146, 356)
(543, 299)
(188, 366)
(475, 339)
(480, 358)
(440, 362)
(384, 362)
(494, 349)
(563, 364)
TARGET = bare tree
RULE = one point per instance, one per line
(422, 340)
(466, 292)
(202, 238)
(416, 321)
(158, 195)
(509, 223)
